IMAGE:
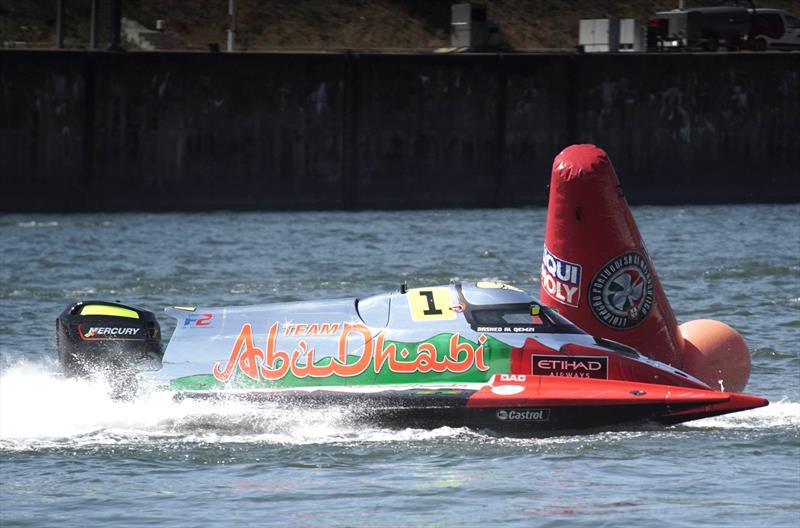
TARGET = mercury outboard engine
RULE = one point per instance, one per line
(108, 339)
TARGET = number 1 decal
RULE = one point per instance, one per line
(432, 310)
(430, 304)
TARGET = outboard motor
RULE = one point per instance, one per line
(108, 339)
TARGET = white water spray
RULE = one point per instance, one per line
(39, 408)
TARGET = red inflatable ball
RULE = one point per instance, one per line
(716, 354)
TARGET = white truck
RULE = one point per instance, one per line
(773, 29)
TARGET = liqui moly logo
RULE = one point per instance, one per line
(561, 279)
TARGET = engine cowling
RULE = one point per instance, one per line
(108, 339)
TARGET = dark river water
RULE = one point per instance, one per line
(70, 456)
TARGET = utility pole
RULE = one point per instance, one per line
(116, 26)
(231, 25)
(93, 32)
(59, 24)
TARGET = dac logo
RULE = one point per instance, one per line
(201, 320)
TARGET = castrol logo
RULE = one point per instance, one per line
(621, 293)
(561, 279)
(523, 415)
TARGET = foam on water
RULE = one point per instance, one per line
(34, 223)
(39, 408)
(782, 414)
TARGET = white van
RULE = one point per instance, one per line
(774, 29)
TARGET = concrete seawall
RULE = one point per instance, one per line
(155, 131)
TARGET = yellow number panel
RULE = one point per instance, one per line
(431, 304)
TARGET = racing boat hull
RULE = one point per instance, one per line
(517, 405)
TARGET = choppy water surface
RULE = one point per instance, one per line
(69, 456)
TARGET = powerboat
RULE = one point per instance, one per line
(483, 355)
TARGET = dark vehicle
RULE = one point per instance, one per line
(701, 28)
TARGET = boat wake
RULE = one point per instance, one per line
(781, 414)
(40, 409)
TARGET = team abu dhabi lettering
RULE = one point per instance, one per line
(311, 329)
(108, 332)
(271, 363)
(621, 293)
(561, 279)
(571, 367)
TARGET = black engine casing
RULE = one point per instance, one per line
(110, 337)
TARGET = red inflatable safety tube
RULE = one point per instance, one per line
(597, 272)
(595, 269)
